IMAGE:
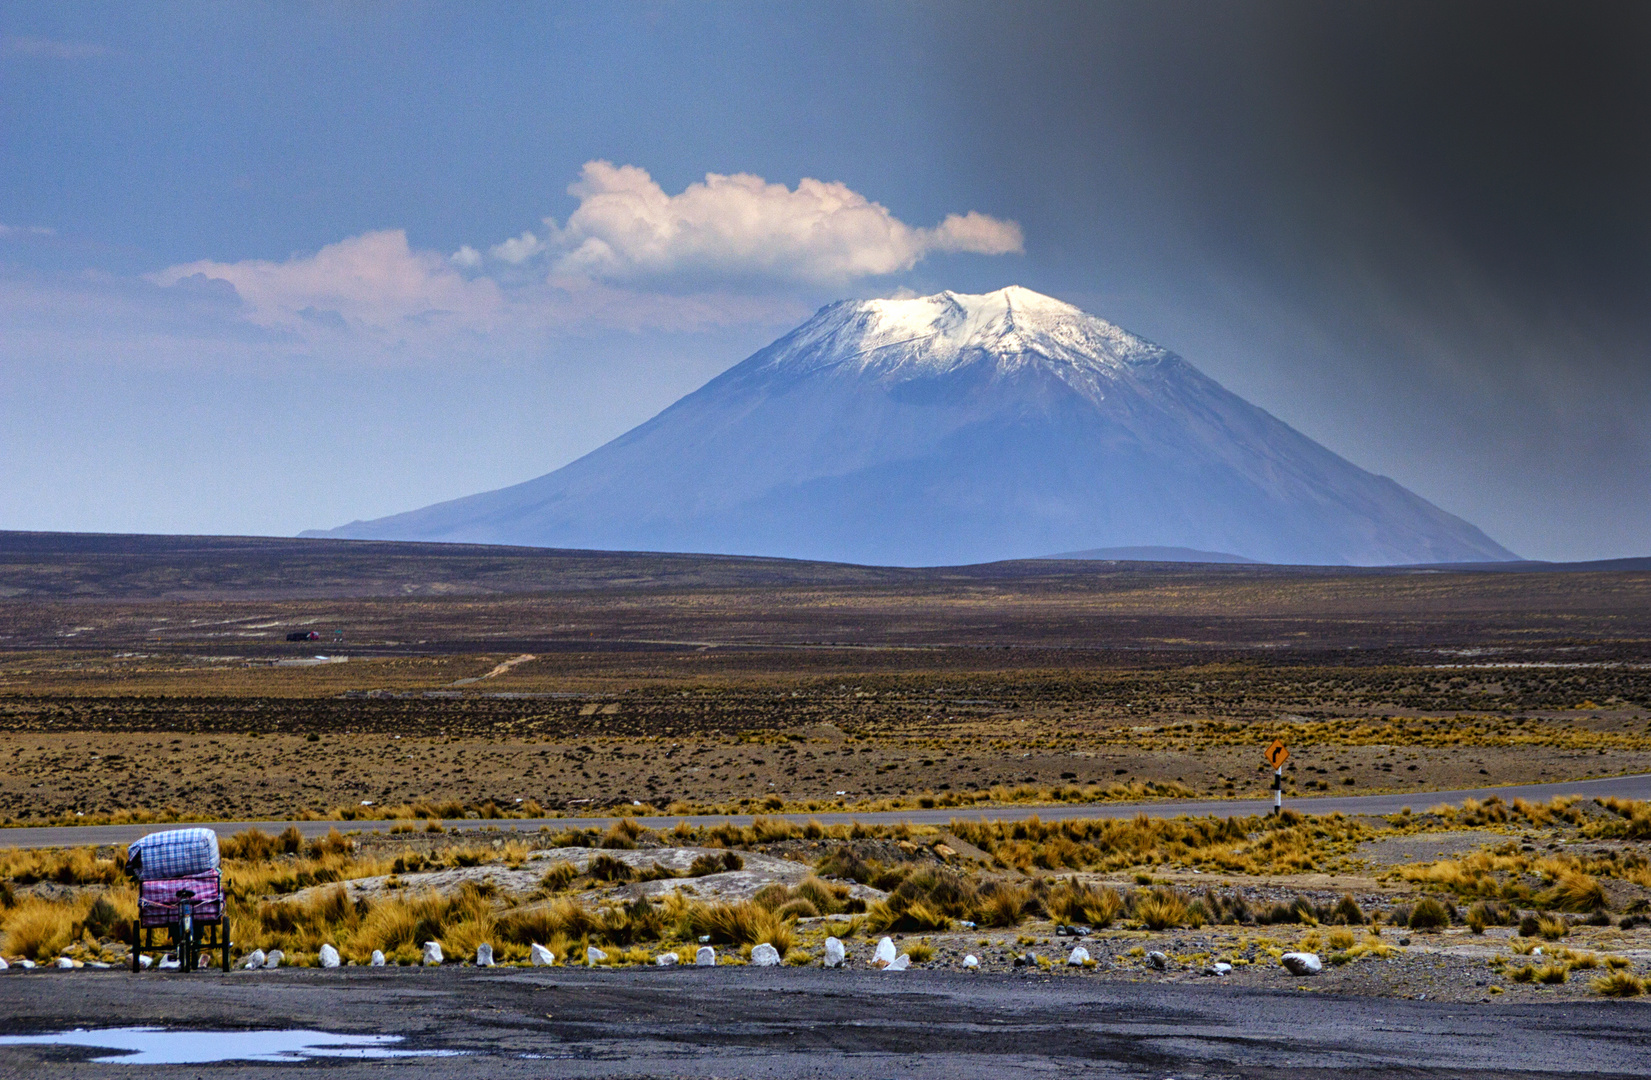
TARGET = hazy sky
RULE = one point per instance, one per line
(269, 267)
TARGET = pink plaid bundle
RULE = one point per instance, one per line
(158, 900)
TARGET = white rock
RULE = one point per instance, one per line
(1301, 963)
(1537, 951)
(99, 965)
(143, 962)
(1219, 968)
(705, 957)
(1079, 957)
(432, 952)
(885, 952)
(765, 955)
(1159, 960)
(667, 959)
(541, 956)
(169, 962)
(484, 955)
(378, 958)
(3, 964)
(273, 960)
(971, 961)
(254, 959)
(594, 956)
(28, 965)
(65, 963)
(899, 963)
(835, 954)
(328, 957)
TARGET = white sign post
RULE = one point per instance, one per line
(1276, 755)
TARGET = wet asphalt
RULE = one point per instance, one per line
(793, 1023)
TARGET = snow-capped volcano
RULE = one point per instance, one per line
(952, 429)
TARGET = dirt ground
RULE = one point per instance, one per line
(145, 673)
(235, 776)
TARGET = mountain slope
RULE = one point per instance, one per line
(953, 429)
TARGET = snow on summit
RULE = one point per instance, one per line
(960, 428)
(933, 334)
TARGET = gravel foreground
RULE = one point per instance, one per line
(785, 1023)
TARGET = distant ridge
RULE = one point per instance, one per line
(955, 429)
(82, 567)
(1152, 554)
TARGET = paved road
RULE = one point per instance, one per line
(793, 1023)
(1628, 787)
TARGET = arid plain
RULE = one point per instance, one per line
(140, 674)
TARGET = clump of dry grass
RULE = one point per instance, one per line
(558, 877)
(704, 865)
(1072, 902)
(1619, 984)
(608, 868)
(1574, 891)
(1002, 904)
(827, 897)
(1160, 908)
(1429, 914)
(1552, 928)
(742, 923)
(1490, 913)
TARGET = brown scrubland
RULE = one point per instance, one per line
(150, 679)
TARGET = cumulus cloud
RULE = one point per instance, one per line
(518, 249)
(628, 228)
(373, 281)
(630, 257)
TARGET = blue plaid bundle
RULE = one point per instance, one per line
(174, 854)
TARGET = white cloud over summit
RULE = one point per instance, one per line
(628, 228)
(630, 256)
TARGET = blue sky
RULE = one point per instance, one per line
(269, 267)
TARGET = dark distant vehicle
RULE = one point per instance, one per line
(300, 635)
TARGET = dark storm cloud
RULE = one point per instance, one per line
(1421, 231)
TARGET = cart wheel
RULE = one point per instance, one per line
(137, 941)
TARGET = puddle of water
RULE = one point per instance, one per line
(160, 1046)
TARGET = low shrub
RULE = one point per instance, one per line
(1093, 905)
(608, 868)
(558, 877)
(799, 908)
(1428, 914)
(1619, 984)
(621, 835)
(1347, 912)
(1002, 904)
(716, 864)
(1160, 908)
(828, 897)
(1485, 913)
(1574, 891)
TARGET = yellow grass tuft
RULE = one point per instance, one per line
(1619, 984)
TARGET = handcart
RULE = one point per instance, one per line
(180, 890)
